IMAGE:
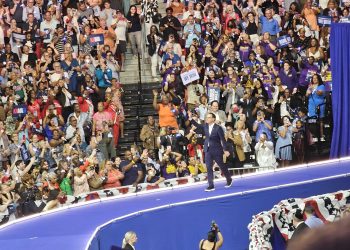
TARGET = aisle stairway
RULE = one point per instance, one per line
(131, 74)
(137, 98)
(137, 101)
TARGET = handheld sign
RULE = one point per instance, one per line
(96, 39)
(213, 94)
(189, 76)
(324, 20)
(284, 41)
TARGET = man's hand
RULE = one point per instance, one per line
(135, 158)
(189, 113)
(226, 153)
(32, 160)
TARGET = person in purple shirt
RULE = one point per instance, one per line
(268, 45)
(307, 67)
(210, 80)
(245, 46)
(231, 74)
(289, 77)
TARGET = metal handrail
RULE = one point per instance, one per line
(280, 149)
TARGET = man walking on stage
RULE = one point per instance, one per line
(214, 148)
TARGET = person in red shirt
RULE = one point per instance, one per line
(113, 176)
(113, 110)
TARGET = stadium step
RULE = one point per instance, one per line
(137, 101)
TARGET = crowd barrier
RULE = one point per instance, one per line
(112, 192)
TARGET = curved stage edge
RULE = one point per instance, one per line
(181, 226)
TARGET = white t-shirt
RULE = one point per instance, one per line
(46, 26)
(55, 77)
(120, 30)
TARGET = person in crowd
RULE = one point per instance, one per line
(316, 94)
(81, 184)
(192, 30)
(288, 76)
(315, 51)
(108, 13)
(134, 30)
(241, 140)
(220, 114)
(261, 126)
(166, 110)
(132, 169)
(120, 24)
(283, 149)
(310, 12)
(113, 176)
(299, 139)
(270, 25)
(154, 39)
(169, 24)
(149, 134)
(264, 152)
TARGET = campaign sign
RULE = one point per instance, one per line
(96, 39)
(213, 94)
(189, 76)
(309, 75)
(324, 20)
(18, 37)
(284, 41)
(19, 111)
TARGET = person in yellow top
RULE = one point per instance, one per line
(196, 167)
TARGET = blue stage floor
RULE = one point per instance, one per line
(72, 228)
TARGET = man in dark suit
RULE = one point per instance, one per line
(215, 149)
(299, 224)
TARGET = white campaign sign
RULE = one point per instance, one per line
(189, 76)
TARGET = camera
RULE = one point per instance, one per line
(213, 226)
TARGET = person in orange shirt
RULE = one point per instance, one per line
(166, 110)
(108, 34)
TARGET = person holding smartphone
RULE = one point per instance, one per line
(214, 240)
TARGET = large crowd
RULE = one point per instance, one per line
(261, 67)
